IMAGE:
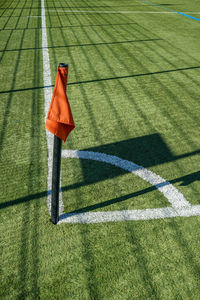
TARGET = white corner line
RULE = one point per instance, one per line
(183, 209)
(175, 198)
(129, 215)
(47, 99)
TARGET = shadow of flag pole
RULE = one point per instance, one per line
(59, 122)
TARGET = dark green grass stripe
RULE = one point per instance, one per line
(14, 17)
(97, 6)
(6, 45)
(135, 75)
(11, 16)
(13, 84)
(156, 49)
(78, 26)
(5, 8)
(1, 6)
(103, 79)
(168, 51)
(164, 110)
(10, 99)
(179, 84)
(83, 45)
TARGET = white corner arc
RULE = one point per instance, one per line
(179, 205)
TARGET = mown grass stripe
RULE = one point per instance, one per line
(102, 79)
(83, 45)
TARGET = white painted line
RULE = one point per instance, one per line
(111, 11)
(129, 215)
(47, 98)
(182, 208)
(118, 12)
(176, 199)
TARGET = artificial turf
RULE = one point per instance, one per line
(134, 91)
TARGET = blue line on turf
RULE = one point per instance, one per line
(180, 13)
(148, 2)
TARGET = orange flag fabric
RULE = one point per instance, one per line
(59, 118)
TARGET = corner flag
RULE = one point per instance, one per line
(59, 118)
(60, 122)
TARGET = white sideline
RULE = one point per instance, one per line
(47, 98)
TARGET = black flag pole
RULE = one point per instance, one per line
(56, 179)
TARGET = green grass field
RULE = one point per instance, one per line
(134, 90)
